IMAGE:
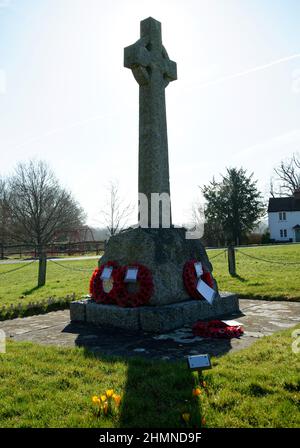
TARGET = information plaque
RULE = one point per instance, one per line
(199, 362)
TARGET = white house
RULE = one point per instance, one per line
(284, 218)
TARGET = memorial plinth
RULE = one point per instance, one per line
(154, 319)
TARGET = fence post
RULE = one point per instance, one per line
(231, 260)
(42, 268)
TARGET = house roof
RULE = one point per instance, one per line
(290, 204)
(296, 227)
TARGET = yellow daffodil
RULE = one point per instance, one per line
(95, 399)
(186, 417)
(109, 393)
(103, 398)
(117, 399)
(197, 392)
(105, 407)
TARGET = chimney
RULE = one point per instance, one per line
(297, 193)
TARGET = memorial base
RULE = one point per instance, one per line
(164, 252)
(153, 319)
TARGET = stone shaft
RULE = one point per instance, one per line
(153, 70)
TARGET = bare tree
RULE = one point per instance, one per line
(117, 211)
(4, 214)
(195, 225)
(288, 177)
(198, 215)
(39, 206)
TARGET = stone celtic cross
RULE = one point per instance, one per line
(162, 260)
(153, 70)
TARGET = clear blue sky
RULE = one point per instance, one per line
(66, 98)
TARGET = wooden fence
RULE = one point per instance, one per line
(52, 250)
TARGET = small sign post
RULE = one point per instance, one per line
(198, 363)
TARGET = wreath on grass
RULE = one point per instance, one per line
(217, 329)
(190, 279)
(144, 285)
(105, 291)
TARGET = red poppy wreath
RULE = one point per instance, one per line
(105, 291)
(144, 285)
(217, 329)
(190, 279)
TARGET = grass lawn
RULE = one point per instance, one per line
(20, 285)
(52, 387)
(258, 279)
(255, 279)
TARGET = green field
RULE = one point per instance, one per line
(20, 285)
(260, 279)
(255, 279)
(44, 386)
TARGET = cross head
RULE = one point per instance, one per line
(148, 57)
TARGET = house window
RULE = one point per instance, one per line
(282, 216)
(283, 233)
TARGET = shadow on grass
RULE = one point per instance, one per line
(157, 394)
(158, 388)
(30, 291)
(238, 277)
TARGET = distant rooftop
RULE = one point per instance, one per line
(289, 204)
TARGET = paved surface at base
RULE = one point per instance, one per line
(259, 318)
